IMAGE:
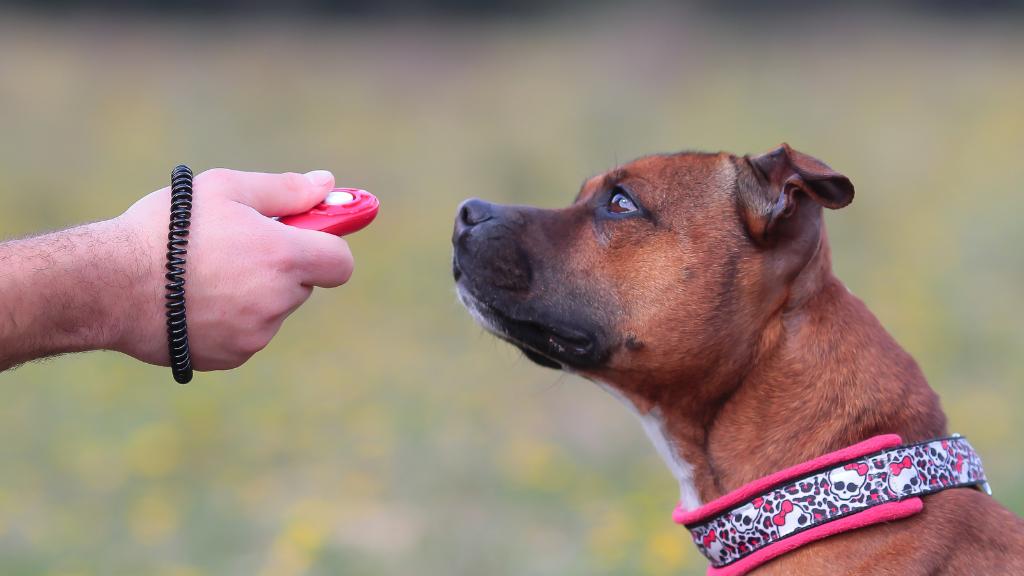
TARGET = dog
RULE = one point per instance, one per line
(698, 289)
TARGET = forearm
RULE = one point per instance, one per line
(67, 291)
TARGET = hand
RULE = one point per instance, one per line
(245, 272)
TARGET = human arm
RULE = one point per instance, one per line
(101, 285)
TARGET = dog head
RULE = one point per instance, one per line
(658, 272)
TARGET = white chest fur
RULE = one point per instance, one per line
(653, 424)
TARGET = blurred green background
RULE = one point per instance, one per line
(382, 432)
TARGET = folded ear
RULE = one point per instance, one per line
(782, 178)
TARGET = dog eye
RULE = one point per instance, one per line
(621, 202)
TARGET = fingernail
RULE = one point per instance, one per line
(320, 178)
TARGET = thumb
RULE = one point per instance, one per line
(270, 194)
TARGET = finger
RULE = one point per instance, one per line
(325, 260)
(269, 194)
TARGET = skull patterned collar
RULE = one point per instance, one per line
(878, 480)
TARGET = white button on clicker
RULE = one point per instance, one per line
(337, 198)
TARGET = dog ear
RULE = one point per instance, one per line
(781, 178)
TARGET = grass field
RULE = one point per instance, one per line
(382, 432)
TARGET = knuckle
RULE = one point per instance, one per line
(276, 254)
(336, 264)
(214, 177)
(286, 258)
(253, 342)
(346, 263)
(343, 249)
(295, 182)
(345, 271)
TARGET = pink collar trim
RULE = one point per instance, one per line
(878, 480)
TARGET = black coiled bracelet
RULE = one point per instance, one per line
(177, 241)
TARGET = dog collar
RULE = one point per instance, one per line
(877, 480)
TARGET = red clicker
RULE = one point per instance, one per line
(344, 211)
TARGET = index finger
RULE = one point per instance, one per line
(325, 260)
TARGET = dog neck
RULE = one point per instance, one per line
(825, 375)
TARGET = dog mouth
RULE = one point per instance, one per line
(549, 344)
(545, 344)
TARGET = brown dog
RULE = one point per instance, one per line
(699, 289)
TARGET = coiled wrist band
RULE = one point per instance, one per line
(177, 241)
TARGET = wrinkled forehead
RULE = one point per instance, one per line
(667, 177)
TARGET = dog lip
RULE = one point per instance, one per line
(558, 344)
(546, 343)
(580, 341)
(539, 358)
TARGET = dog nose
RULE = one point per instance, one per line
(474, 211)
